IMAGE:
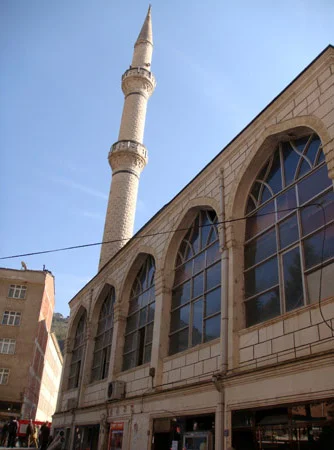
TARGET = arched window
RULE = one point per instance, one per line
(286, 231)
(139, 325)
(103, 337)
(196, 299)
(77, 353)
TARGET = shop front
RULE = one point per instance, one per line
(299, 426)
(184, 433)
(116, 431)
(86, 437)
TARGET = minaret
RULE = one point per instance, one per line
(128, 156)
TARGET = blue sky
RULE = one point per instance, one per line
(217, 65)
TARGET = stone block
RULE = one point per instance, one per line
(204, 353)
(178, 362)
(248, 339)
(326, 74)
(325, 331)
(282, 343)
(187, 372)
(192, 358)
(263, 349)
(303, 351)
(198, 368)
(297, 322)
(306, 336)
(266, 361)
(210, 365)
(271, 331)
(288, 354)
(215, 350)
(246, 354)
(174, 375)
(322, 346)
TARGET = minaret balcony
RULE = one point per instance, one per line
(129, 146)
(138, 78)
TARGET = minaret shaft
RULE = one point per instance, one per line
(128, 156)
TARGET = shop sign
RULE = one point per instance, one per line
(116, 426)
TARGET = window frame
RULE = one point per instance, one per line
(7, 346)
(4, 376)
(183, 261)
(78, 351)
(142, 334)
(14, 315)
(103, 366)
(280, 218)
(21, 289)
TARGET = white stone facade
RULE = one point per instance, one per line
(272, 363)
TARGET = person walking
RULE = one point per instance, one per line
(4, 433)
(12, 432)
(44, 435)
(31, 434)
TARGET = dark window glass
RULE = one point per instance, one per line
(313, 150)
(204, 276)
(264, 307)
(293, 283)
(261, 220)
(213, 302)
(261, 277)
(213, 276)
(139, 325)
(313, 184)
(274, 179)
(286, 202)
(260, 248)
(180, 318)
(179, 342)
(212, 328)
(319, 247)
(291, 159)
(197, 335)
(288, 231)
(313, 216)
(77, 353)
(181, 295)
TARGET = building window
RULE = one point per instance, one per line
(11, 318)
(139, 325)
(288, 250)
(4, 375)
(7, 346)
(103, 337)
(77, 353)
(17, 291)
(196, 298)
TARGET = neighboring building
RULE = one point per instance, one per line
(220, 331)
(30, 359)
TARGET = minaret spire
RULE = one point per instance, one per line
(128, 156)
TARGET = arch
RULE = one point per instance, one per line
(263, 147)
(74, 321)
(264, 277)
(183, 222)
(140, 311)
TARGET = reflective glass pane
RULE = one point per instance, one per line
(147, 353)
(142, 317)
(134, 305)
(213, 276)
(304, 168)
(149, 333)
(129, 361)
(266, 194)
(178, 342)
(213, 302)
(293, 284)
(151, 310)
(262, 219)
(290, 158)
(261, 278)
(184, 272)
(199, 262)
(212, 254)
(313, 216)
(197, 322)
(198, 285)
(205, 230)
(286, 202)
(313, 149)
(263, 307)
(130, 342)
(212, 328)
(180, 318)
(132, 322)
(274, 178)
(314, 184)
(327, 285)
(260, 248)
(250, 205)
(319, 247)
(181, 295)
(288, 231)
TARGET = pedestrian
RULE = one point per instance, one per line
(44, 435)
(4, 434)
(31, 434)
(12, 432)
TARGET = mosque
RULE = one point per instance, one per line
(213, 326)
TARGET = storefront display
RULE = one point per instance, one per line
(116, 436)
(86, 437)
